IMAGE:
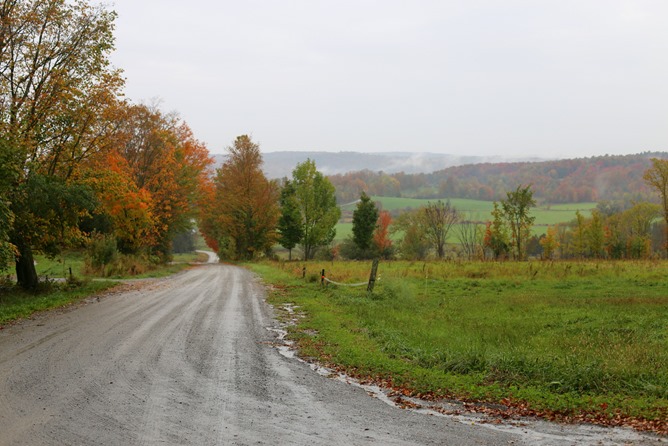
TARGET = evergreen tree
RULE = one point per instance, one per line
(289, 224)
(365, 221)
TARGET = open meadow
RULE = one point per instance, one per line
(475, 210)
(566, 340)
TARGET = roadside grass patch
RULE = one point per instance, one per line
(60, 265)
(570, 339)
(16, 304)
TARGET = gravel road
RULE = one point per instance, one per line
(190, 360)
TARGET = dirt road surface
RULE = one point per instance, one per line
(190, 360)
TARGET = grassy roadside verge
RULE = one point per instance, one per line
(17, 304)
(567, 341)
(74, 260)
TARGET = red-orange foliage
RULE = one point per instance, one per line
(127, 206)
(381, 235)
(150, 179)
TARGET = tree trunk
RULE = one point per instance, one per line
(666, 241)
(26, 275)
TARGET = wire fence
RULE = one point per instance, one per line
(369, 284)
(346, 284)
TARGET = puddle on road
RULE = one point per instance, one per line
(532, 431)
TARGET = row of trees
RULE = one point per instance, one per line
(610, 231)
(76, 159)
(249, 214)
(427, 229)
(629, 234)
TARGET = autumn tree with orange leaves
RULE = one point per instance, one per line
(245, 210)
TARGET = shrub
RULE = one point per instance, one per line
(102, 251)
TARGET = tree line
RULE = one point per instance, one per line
(79, 163)
(438, 230)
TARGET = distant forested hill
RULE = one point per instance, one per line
(281, 164)
(429, 175)
(614, 178)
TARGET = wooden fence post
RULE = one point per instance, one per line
(372, 277)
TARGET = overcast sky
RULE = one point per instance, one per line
(550, 78)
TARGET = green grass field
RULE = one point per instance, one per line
(476, 210)
(579, 340)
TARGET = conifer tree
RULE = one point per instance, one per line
(289, 227)
(365, 221)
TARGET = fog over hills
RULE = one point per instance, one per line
(281, 164)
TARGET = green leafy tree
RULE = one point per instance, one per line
(579, 245)
(316, 200)
(414, 244)
(657, 178)
(289, 223)
(365, 221)
(439, 218)
(595, 234)
(496, 234)
(637, 222)
(56, 84)
(516, 210)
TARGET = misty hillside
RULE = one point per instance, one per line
(281, 164)
(616, 178)
(427, 175)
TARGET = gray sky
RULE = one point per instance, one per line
(550, 78)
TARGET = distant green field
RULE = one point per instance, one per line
(477, 210)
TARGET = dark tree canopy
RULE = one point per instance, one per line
(365, 221)
(289, 224)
